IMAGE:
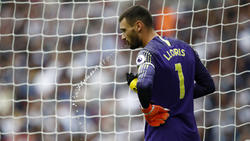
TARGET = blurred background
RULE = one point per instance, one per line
(63, 65)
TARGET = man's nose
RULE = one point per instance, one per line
(123, 37)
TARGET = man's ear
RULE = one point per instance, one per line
(139, 26)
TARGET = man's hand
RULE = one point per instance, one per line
(132, 81)
(130, 77)
(155, 115)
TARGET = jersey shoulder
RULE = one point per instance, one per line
(179, 43)
(174, 41)
(160, 42)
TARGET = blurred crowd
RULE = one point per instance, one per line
(63, 65)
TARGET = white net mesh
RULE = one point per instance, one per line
(63, 65)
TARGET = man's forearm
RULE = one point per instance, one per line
(145, 84)
(144, 89)
(200, 91)
(204, 82)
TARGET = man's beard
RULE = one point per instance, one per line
(135, 42)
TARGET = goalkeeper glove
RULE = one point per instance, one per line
(132, 81)
(155, 115)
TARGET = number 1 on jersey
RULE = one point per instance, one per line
(178, 68)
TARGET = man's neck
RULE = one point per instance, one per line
(148, 36)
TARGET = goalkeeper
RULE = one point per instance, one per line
(170, 75)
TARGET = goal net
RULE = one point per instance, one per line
(63, 66)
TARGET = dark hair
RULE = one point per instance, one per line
(135, 13)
